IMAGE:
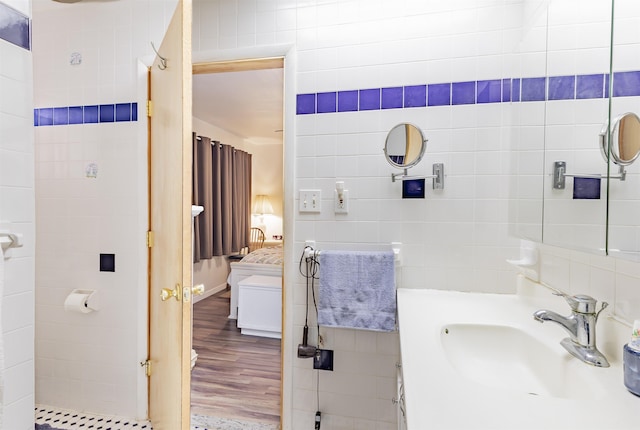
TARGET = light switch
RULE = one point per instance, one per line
(310, 201)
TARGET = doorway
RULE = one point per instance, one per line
(237, 376)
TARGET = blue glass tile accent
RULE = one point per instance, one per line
(439, 95)
(90, 114)
(415, 96)
(392, 98)
(45, 116)
(589, 86)
(370, 99)
(107, 113)
(123, 112)
(75, 115)
(533, 89)
(305, 104)
(489, 91)
(326, 102)
(463, 93)
(626, 84)
(65, 115)
(506, 90)
(347, 101)
(15, 27)
(562, 88)
(60, 116)
(515, 90)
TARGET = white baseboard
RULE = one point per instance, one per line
(210, 292)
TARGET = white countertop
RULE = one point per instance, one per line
(439, 397)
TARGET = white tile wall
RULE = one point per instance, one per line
(89, 362)
(17, 208)
(455, 239)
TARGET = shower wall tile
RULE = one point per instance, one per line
(16, 27)
(17, 207)
(74, 115)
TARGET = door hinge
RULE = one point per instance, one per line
(149, 108)
(150, 239)
(147, 366)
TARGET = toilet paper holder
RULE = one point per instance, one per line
(83, 301)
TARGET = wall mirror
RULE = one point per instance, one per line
(623, 227)
(625, 140)
(561, 105)
(405, 145)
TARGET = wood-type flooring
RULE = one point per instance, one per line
(236, 376)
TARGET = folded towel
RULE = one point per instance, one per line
(357, 290)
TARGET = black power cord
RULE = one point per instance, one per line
(311, 270)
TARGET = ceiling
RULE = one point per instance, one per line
(247, 103)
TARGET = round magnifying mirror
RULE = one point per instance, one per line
(625, 139)
(405, 145)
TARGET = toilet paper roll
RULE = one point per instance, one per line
(77, 303)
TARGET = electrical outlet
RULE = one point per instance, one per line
(310, 201)
(341, 206)
(323, 359)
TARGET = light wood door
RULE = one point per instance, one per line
(170, 223)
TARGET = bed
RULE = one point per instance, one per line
(264, 261)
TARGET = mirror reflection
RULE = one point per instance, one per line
(625, 139)
(405, 145)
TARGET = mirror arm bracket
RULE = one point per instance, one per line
(559, 175)
(438, 176)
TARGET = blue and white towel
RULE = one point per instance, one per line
(357, 290)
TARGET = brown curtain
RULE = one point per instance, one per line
(241, 199)
(222, 185)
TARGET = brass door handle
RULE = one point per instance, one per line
(197, 290)
(166, 293)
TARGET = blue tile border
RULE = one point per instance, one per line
(91, 114)
(15, 27)
(463, 93)
(507, 90)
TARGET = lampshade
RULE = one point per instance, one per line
(262, 205)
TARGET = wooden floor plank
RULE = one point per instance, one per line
(236, 376)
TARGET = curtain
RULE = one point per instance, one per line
(222, 185)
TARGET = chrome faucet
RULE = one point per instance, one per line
(581, 325)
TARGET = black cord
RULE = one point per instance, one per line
(312, 267)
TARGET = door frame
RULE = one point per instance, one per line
(250, 59)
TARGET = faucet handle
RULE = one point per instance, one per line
(581, 303)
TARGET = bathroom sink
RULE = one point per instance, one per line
(476, 360)
(511, 359)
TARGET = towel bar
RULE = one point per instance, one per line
(310, 252)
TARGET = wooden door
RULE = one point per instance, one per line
(170, 224)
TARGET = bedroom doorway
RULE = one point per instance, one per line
(236, 376)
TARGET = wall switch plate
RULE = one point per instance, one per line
(310, 201)
(323, 360)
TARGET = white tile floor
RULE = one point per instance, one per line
(71, 420)
(63, 419)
